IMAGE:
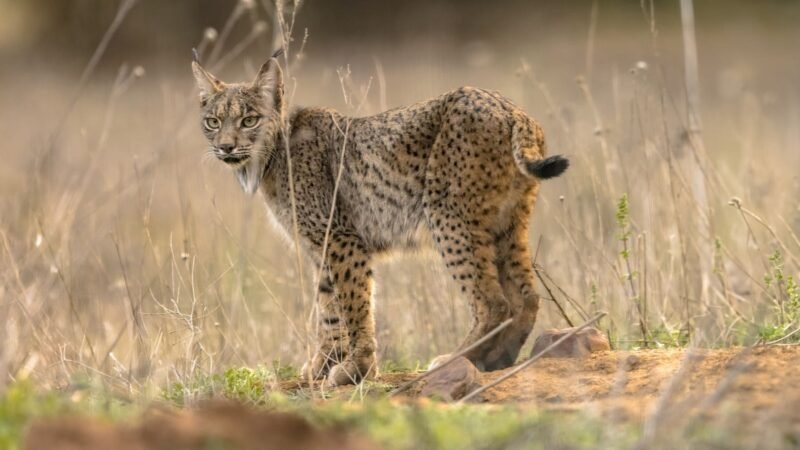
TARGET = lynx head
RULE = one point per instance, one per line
(242, 121)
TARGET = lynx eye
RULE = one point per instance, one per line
(250, 121)
(212, 123)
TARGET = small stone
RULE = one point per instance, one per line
(631, 361)
(588, 340)
(452, 382)
(554, 398)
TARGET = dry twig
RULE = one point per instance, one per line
(533, 359)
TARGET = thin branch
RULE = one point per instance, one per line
(124, 8)
(547, 288)
(530, 361)
(776, 341)
(463, 352)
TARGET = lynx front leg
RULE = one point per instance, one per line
(332, 341)
(349, 267)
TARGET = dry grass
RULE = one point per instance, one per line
(128, 258)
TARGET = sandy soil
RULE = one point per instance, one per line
(732, 387)
(754, 384)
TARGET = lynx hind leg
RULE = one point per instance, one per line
(331, 334)
(349, 266)
(515, 269)
(469, 255)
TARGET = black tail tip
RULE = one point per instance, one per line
(549, 167)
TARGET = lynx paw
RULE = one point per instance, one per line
(319, 366)
(351, 371)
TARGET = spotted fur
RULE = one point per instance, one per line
(459, 171)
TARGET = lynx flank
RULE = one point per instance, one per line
(460, 171)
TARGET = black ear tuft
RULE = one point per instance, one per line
(278, 53)
(549, 167)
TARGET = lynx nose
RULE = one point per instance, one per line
(226, 148)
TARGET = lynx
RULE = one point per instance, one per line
(460, 171)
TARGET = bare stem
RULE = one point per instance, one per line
(532, 359)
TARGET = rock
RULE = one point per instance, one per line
(588, 340)
(631, 362)
(438, 361)
(452, 382)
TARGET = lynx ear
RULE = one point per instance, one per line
(269, 82)
(207, 83)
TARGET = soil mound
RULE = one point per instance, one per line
(215, 425)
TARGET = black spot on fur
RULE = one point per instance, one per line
(550, 167)
(325, 287)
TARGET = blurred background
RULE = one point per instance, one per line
(125, 254)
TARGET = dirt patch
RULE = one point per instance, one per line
(733, 384)
(756, 383)
(217, 425)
